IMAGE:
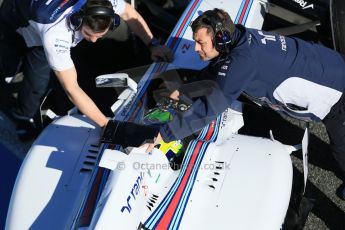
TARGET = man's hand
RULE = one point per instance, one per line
(149, 146)
(161, 53)
(138, 25)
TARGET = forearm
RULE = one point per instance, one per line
(85, 105)
(203, 110)
(188, 123)
(79, 98)
(137, 24)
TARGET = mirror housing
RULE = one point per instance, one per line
(116, 80)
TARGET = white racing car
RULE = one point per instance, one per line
(71, 180)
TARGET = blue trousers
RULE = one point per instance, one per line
(335, 126)
(15, 57)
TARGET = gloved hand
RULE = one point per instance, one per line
(160, 52)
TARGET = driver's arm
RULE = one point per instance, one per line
(68, 80)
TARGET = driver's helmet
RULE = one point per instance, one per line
(172, 150)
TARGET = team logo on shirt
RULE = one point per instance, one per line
(222, 74)
(61, 46)
(223, 69)
(266, 37)
(270, 37)
(249, 39)
(283, 42)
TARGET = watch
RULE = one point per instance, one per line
(154, 42)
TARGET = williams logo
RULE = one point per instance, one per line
(133, 194)
(304, 4)
(266, 37)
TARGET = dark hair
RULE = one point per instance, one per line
(97, 23)
(210, 18)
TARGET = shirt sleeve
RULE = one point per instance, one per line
(222, 93)
(119, 6)
(57, 43)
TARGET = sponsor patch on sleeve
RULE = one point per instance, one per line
(61, 46)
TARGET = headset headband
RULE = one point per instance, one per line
(98, 10)
(76, 18)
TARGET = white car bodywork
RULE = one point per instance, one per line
(227, 181)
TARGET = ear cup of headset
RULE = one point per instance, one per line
(222, 37)
(76, 20)
(116, 22)
(222, 40)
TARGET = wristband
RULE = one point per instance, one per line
(154, 42)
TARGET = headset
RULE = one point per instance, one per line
(76, 18)
(221, 38)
